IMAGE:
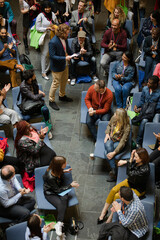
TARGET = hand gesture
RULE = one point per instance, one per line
(40, 92)
(110, 45)
(121, 163)
(116, 205)
(79, 22)
(33, 8)
(44, 130)
(7, 87)
(137, 110)
(5, 46)
(132, 155)
(48, 227)
(157, 135)
(10, 45)
(111, 155)
(74, 184)
(107, 137)
(68, 58)
(85, 19)
(67, 170)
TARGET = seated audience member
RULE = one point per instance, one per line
(35, 231)
(157, 70)
(138, 171)
(30, 147)
(117, 135)
(155, 157)
(7, 13)
(150, 95)
(7, 115)
(123, 75)
(8, 56)
(131, 223)
(13, 204)
(59, 8)
(117, 13)
(82, 47)
(98, 101)
(81, 19)
(30, 10)
(54, 185)
(3, 22)
(115, 43)
(149, 23)
(151, 50)
(44, 22)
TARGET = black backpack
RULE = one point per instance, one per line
(25, 61)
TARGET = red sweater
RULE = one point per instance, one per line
(99, 102)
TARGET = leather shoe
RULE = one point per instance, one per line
(65, 99)
(53, 105)
(101, 221)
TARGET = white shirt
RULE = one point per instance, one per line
(27, 234)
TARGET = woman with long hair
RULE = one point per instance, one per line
(117, 134)
(138, 171)
(30, 147)
(124, 78)
(54, 185)
(44, 23)
(34, 230)
(117, 13)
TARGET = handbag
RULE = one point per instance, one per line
(124, 8)
(74, 226)
(34, 37)
(30, 107)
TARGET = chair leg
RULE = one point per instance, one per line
(78, 212)
(80, 127)
(93, 165)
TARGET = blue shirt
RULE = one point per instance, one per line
(7, 55)
(134, 217)
(9, 192)
(147, 97)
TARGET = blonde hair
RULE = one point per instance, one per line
(122, 16)
(122, 118)
(61, 30)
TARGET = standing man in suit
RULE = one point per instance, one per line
(81, 19)
(59, 52)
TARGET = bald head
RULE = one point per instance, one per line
(115, 25)
(7, 172)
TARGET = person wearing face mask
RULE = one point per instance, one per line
(138, 171)
(7, 56)
(98, 101)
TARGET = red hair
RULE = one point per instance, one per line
(21, 131)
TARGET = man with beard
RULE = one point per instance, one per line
(7, 56)
(59, 52)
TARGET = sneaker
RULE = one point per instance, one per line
(95, 79)
(50, 135)
(65, 99)
(63, 237)
(53, 105)
(45, 76)
(91, 155)
(73, 82)
(58, 228)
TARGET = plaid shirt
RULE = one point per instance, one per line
(134, 217)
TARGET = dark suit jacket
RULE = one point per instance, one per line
(57, 54)
(147, 48)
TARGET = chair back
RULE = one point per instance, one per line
(128, 27)
(84, 108)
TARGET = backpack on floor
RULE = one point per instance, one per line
(25, 61)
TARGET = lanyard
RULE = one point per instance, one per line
(50, 20)
(113, 37)
(100, 99)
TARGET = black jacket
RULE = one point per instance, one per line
(137, 176)
(30, 92)
(147, 48)
(87, 46)
(53, 185)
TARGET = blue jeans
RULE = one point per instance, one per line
(121, 93)
(110, 146)
(149, 66)
(91, 120)
(135, 16)
(141, 131)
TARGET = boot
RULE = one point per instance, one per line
(112, 175)
(26, 46)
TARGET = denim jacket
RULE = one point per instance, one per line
(147, 97)
(128, 72)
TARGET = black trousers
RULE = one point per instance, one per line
(60, 203)
(155, 158)
(20, 211)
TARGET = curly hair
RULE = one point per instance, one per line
(61, 30)
(122, 16)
